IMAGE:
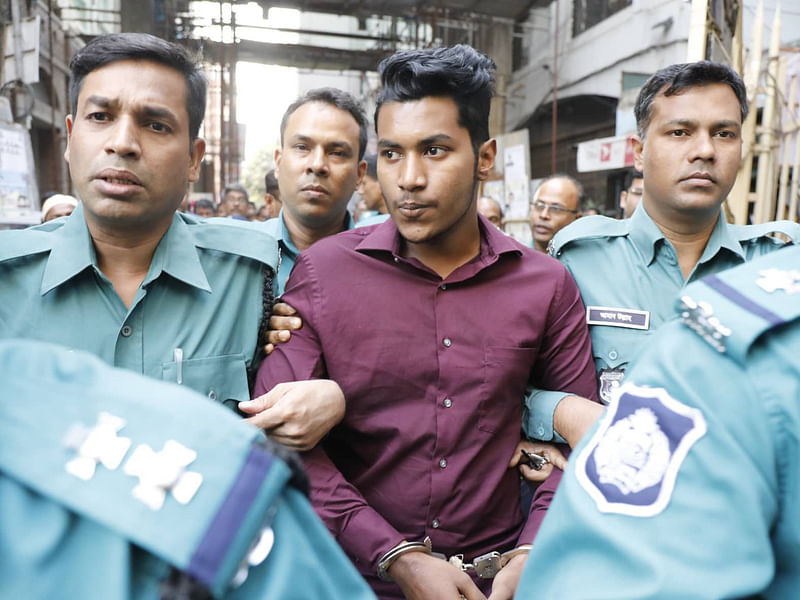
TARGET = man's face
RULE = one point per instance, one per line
(317, 166)
(691, 153)
(204, 211)
(490, 209)
(128, 145)
(272, 206)
(426, 168)
(555, 207)
(629, 199)
(370, 190)
(235, 203)
(59, 210)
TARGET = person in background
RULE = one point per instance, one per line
(204, 208)
(272, 197)
(556, 203)
(372, 202)
(491, 209)
(236, 201)
(631, 194)
(58, 205)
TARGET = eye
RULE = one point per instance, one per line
(727, 134)
(678, 133)
(159, 127)
(98, 116)
(300, 146)
(389, 154)
(435, 151)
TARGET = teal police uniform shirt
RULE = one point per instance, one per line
(629, 277)
(288, 251)
(105, 488)
(689, 487)
(194, 319)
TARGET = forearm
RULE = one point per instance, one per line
(574, 416)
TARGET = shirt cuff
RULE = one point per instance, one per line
(537, 415)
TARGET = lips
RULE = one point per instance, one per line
(118, 177)
(699, 178)
(412, 209)
(314, 189)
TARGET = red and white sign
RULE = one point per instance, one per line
(603, 154)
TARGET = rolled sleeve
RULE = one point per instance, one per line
(539, 410)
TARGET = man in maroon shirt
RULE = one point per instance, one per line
(433, 387)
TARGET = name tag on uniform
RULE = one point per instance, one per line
(618, 317)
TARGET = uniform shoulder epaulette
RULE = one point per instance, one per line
(594, 226)
(25, 242)
(732, 309)
(235, 237)
(789, 229)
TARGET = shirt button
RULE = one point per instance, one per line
(540, 431)
(443, 286)
(447, 343)
(127, 330)
(212, 395)
(612, 354)
(435, 524)
(397, 260)
(448, 403)
(443, 463)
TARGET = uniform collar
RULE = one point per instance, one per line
(73, 251)
(285, 240)
(645, 234)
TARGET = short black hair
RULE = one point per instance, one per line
(271, 184)
(678, 77)
(204, 203)
(235, 187)
(339, 99)
(458, 72)
(630, 175)
(372, 165)
(106, 49)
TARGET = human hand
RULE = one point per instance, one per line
(281, 324)
(297, 414)
(425, 577)
(506, 581)
(549, 451)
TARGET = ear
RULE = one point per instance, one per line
(486, 155)
(277, 161)
(362, 170)
(196, 154)
(69, 137)
(638, 153)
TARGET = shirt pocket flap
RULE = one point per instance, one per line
(615, 347)
(220, 378)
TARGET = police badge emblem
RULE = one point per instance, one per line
(630, 465)
(610, 380)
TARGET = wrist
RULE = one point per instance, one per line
(398, 553)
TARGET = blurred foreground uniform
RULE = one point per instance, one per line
(105, 494)
(689, 487)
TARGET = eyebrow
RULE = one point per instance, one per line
(427, 141)
(299, 137)
(153, 112)
(692, 123)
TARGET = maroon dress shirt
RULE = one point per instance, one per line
(434, 372)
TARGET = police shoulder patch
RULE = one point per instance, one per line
(630, 465)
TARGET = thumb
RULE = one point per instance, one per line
(261, 403)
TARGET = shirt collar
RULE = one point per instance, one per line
(73, 252)
(386, 238)
(644, 233)
(285, 239)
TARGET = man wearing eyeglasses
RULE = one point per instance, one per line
(556, 204)
(631, 194)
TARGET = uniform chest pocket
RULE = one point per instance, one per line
(220, 378)
(615, 347)
(506, 372)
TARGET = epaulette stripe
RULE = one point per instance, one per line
(734, 296)
(210, 554)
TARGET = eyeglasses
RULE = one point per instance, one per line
(556, 209)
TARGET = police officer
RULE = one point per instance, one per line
(689, 485)
(161, 293)
(106, 495)
(689, 119)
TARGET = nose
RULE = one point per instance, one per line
(412, 173)
(318, 161)
(703, 147)
(123, 138)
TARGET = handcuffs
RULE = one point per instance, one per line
(486, 566)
